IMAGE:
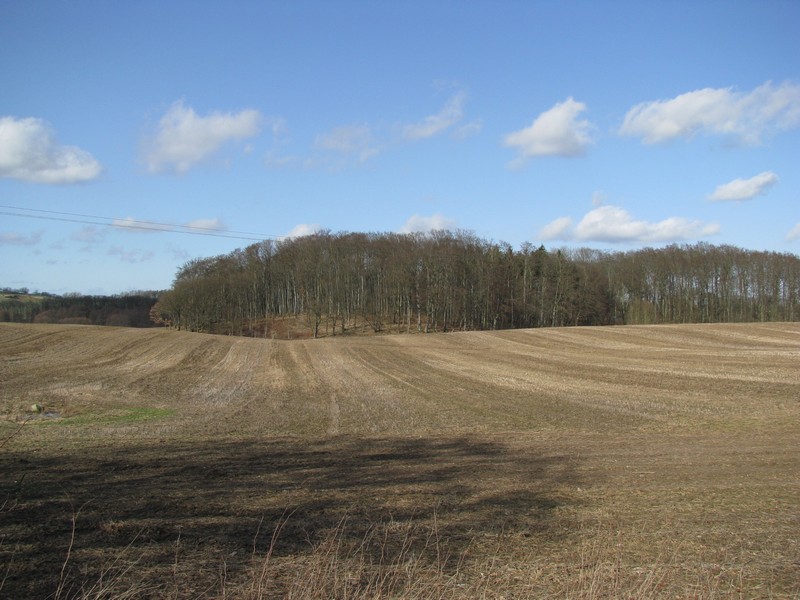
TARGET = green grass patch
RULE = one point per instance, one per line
(115, 417)
(16, 297)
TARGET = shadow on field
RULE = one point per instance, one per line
(193, 515)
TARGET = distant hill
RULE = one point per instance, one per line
(124, 310)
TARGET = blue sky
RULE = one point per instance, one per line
(135, 136)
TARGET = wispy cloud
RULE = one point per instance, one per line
(467, 130)
(279, 129)
(275, 158)
(215, 224)
(184, 139)
(350, 140)
(421, 224)
(29, 151)
(17, 239)
(277, 161)
(447, 117)
(614, 224)
(346, 145)
(794, 233)
(745, 189)
(137, 226)
(88, 235)
(556, 132)
(745, 117)
(178, 253)
(131, 256)
(333, 150)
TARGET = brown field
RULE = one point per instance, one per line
(624, 462)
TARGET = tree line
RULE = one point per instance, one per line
(126, 310)
(444, 281)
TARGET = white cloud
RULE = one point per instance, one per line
(720, 111)
(451, 113)
(555, 132)
(794, 233)
(616, 225)
(303, 229)
(17, 239)
(215, 224)
(420, 224)
(745, 189)
(354, 140)
(140, 226)
(557, 230)
(184, 139)
(29, 151)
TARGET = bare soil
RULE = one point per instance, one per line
(637, 461)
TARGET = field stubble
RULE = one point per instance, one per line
(581, 463)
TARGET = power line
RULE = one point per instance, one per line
(134, 224)
(155, 227)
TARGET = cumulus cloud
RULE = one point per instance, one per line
(745, 189)
(183, 138)
(17, 239)
(560, 229)
(29, 151)
(303, 229)
(353, 140)
(555, 132)
(451, 114)
(794, 233)
(616, 225)
(716, 111)
(420, 224)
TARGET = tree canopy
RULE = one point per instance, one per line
(444, 281)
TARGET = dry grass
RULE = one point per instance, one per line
(628, 462)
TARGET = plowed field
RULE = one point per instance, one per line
(658, 461)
